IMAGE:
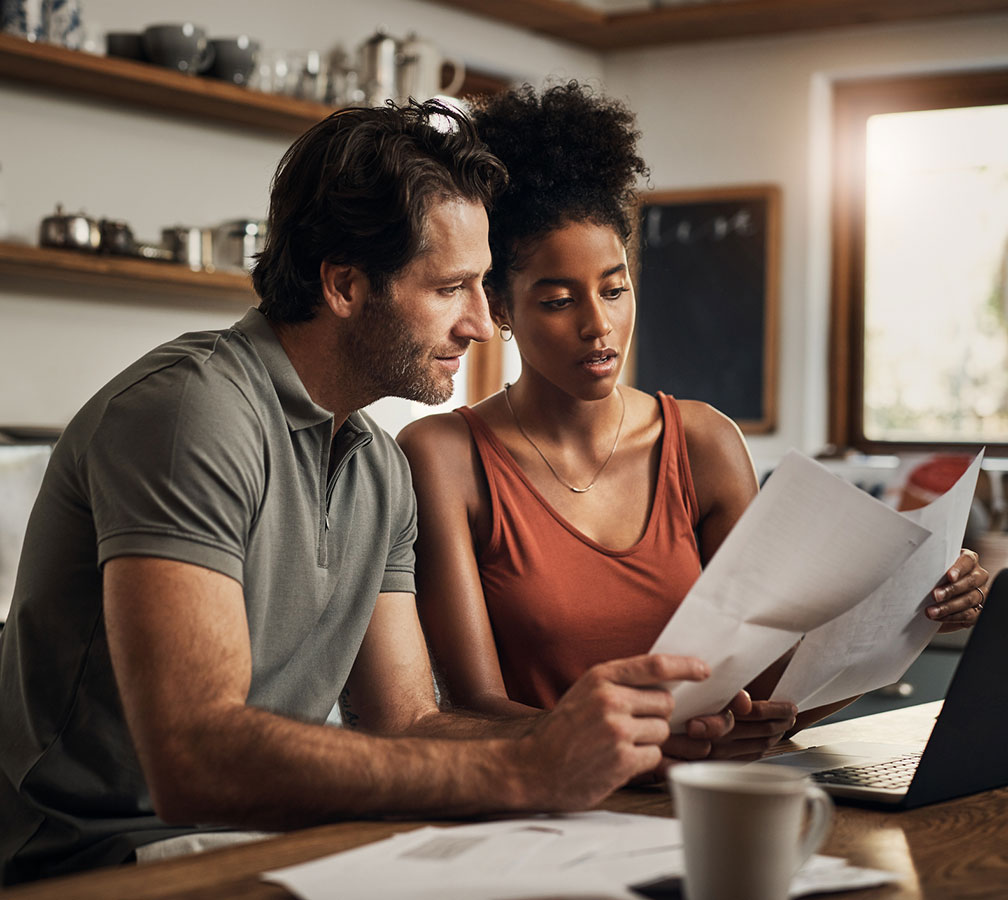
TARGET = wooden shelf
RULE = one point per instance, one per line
(44, 264)
(152, 87)
(712, 20)
(155, 87)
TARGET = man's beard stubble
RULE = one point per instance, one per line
(391, 362)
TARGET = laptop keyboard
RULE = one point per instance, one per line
(890, 774)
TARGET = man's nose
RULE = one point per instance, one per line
(476, 324)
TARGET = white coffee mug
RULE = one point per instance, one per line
(743, 829)
(419, 70)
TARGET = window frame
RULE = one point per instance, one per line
(853, 103)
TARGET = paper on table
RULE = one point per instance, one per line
(808, 548)
(874, 643)
(594, 854)
(536, 857)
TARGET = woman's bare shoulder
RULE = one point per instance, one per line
(445, 462)
(705, 425)
(717, 450)
(441, 435)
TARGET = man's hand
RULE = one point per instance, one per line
(609, 727)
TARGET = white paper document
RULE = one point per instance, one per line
(874, 643)
(594, 854)
(808, 548)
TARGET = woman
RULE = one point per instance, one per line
(563, 519)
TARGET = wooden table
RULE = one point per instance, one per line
(956, 849)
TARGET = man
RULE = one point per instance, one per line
(223, 544)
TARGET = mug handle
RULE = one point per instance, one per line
(206, 58)
(819, 807)
(458, 76)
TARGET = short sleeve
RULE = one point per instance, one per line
(176, 468)
(400, 563)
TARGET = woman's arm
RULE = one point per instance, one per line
(725, 483)
(453, 509)
(724, 478)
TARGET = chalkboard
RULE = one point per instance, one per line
(707, 300)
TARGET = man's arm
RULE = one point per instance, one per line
(180, 648)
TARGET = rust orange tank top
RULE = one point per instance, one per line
(558, 601)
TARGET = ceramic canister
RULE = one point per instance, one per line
(23, 18)
(63, 24)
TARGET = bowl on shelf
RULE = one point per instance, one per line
(182, 46)
(235, 59)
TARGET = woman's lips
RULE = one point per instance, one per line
(600, 362)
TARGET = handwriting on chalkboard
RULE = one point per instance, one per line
(664, 224)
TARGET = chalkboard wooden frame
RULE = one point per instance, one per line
(738, 281)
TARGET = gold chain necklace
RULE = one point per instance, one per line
(542, 456)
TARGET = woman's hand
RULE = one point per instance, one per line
(960, 596)
(701, 737)
(756, 731)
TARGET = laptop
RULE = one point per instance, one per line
(967, 751)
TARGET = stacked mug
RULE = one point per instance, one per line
(182, 46)
(185, 47)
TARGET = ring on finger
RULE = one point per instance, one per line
(983, 598)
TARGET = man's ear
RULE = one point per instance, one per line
(344, 288)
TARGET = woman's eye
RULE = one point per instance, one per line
(614, 293)
(557, 303)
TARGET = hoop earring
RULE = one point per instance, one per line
(505, 332)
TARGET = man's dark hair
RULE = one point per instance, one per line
(355, 189)
(571, 156)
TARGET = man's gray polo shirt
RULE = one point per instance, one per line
(207, 450)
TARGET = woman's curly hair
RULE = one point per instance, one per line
(571, 156)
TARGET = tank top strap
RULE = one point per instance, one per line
(494, 456)
(678, 461)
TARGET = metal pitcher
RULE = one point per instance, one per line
(378, 68)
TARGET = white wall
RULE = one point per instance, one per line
(154, 170)
(758, 111)
(712, 114)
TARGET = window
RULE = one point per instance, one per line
(919, 345)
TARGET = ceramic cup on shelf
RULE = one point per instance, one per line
(125, 45)
(234, 59)
(420, 67)
(182, 46)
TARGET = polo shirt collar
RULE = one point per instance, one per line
(299, 408)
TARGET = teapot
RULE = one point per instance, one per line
(69, 231)
(419, 70)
